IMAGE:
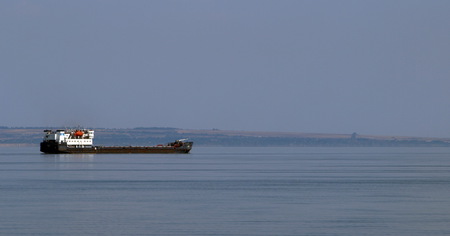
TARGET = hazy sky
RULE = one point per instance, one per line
(371, 67)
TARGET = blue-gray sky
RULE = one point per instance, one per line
(371, 67)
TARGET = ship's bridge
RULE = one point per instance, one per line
(71, 137)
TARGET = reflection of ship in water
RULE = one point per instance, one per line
(81, 141)
(80, 157)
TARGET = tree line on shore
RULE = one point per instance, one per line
(143, 136)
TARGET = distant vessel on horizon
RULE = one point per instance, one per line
(81, 141)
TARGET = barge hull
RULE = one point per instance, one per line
(56, 149)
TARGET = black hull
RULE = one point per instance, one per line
(55, 148)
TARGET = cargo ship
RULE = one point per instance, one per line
(81, 141)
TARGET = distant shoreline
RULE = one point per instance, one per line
(30, 136)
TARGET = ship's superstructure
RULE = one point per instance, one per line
(81, 141)
(71, 138)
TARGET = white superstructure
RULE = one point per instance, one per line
(76, 137)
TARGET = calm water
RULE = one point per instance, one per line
(227, 191)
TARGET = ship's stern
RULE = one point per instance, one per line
(49, 147)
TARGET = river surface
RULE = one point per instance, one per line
(227, 191)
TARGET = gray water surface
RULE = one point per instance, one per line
(227, 191)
